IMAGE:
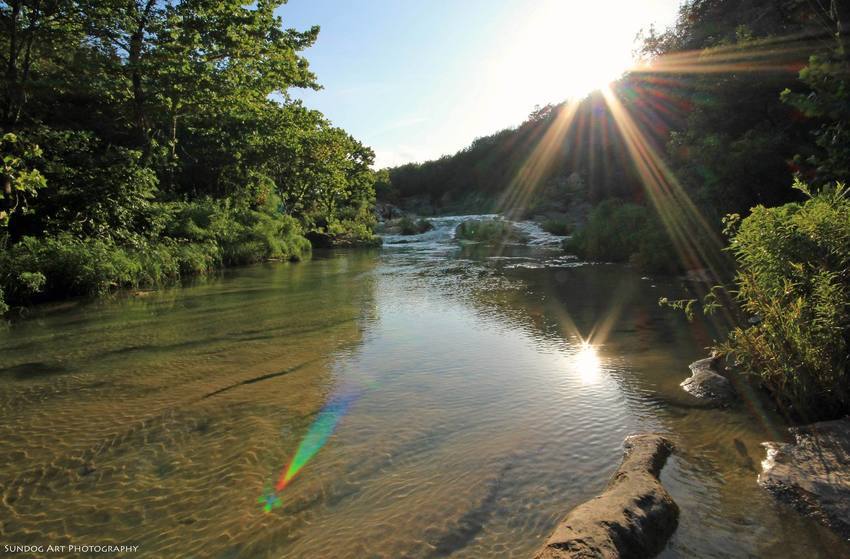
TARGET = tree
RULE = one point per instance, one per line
(209, 54)
(30, 29)
(827, 77)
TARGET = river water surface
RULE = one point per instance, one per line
(459, 412)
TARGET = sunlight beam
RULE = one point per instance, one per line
(528, 177)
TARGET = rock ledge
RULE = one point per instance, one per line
(813, 473)
(633, 517)
(707, 385)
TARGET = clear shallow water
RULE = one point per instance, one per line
(475, 420)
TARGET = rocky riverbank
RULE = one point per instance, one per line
(812, 474)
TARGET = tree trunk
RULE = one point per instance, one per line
(838, 14)
(137, 39)
(35, 15)
(138, 94)
(8, 200)
(172, 154)
(12, 65)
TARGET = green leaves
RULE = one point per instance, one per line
(20, 180)
(828, 102)
(794, 275)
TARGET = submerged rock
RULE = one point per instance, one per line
(633, 517)
(701, 275)
(707, 385)
(813, 473)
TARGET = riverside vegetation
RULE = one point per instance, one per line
(144, 142)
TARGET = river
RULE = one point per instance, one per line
(433, 400)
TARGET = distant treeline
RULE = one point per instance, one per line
(740, 97)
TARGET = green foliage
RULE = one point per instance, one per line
(169, 145)
(199, 237)
(489, 231)
(794, 277)
(684, 305)
(94, 189)
(20, 180)
(244, 235)
(557, 226)
(385, 191)
(732, 149)
(827, 101)
(410, 226)
(495, 168)
(727, 138)
(617, 231)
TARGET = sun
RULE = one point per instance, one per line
(566, 48)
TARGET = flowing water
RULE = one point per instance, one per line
(455, 411)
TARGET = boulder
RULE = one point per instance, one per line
(812, 474)
(634, 517)
(385, 211)
(707, 384)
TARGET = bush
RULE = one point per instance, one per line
(244, 235)
(93, 189)
(489, 231)
(350, 233)
(556, 227)
(409, 226)
(199, 238)
(622, 232)
(794, 276)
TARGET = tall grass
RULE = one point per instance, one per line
(197, 239)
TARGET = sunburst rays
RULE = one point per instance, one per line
(641, 107)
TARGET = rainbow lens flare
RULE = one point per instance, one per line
(269, 500)
(317, 435)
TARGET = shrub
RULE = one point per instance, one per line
(69, 266)
(200, 237)
(622, 232)
(794, 276)
(556, 227)
(489, 231)
(344, 233)
(410, 226)
(244, 235)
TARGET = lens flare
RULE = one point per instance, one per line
(639, 109)
(639, 112)
(317, 435)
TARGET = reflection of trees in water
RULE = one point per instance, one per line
(608, 305)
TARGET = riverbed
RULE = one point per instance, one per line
(454, 400)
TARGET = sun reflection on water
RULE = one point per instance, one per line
(587, 364)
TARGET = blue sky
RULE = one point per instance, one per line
(418, 79)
